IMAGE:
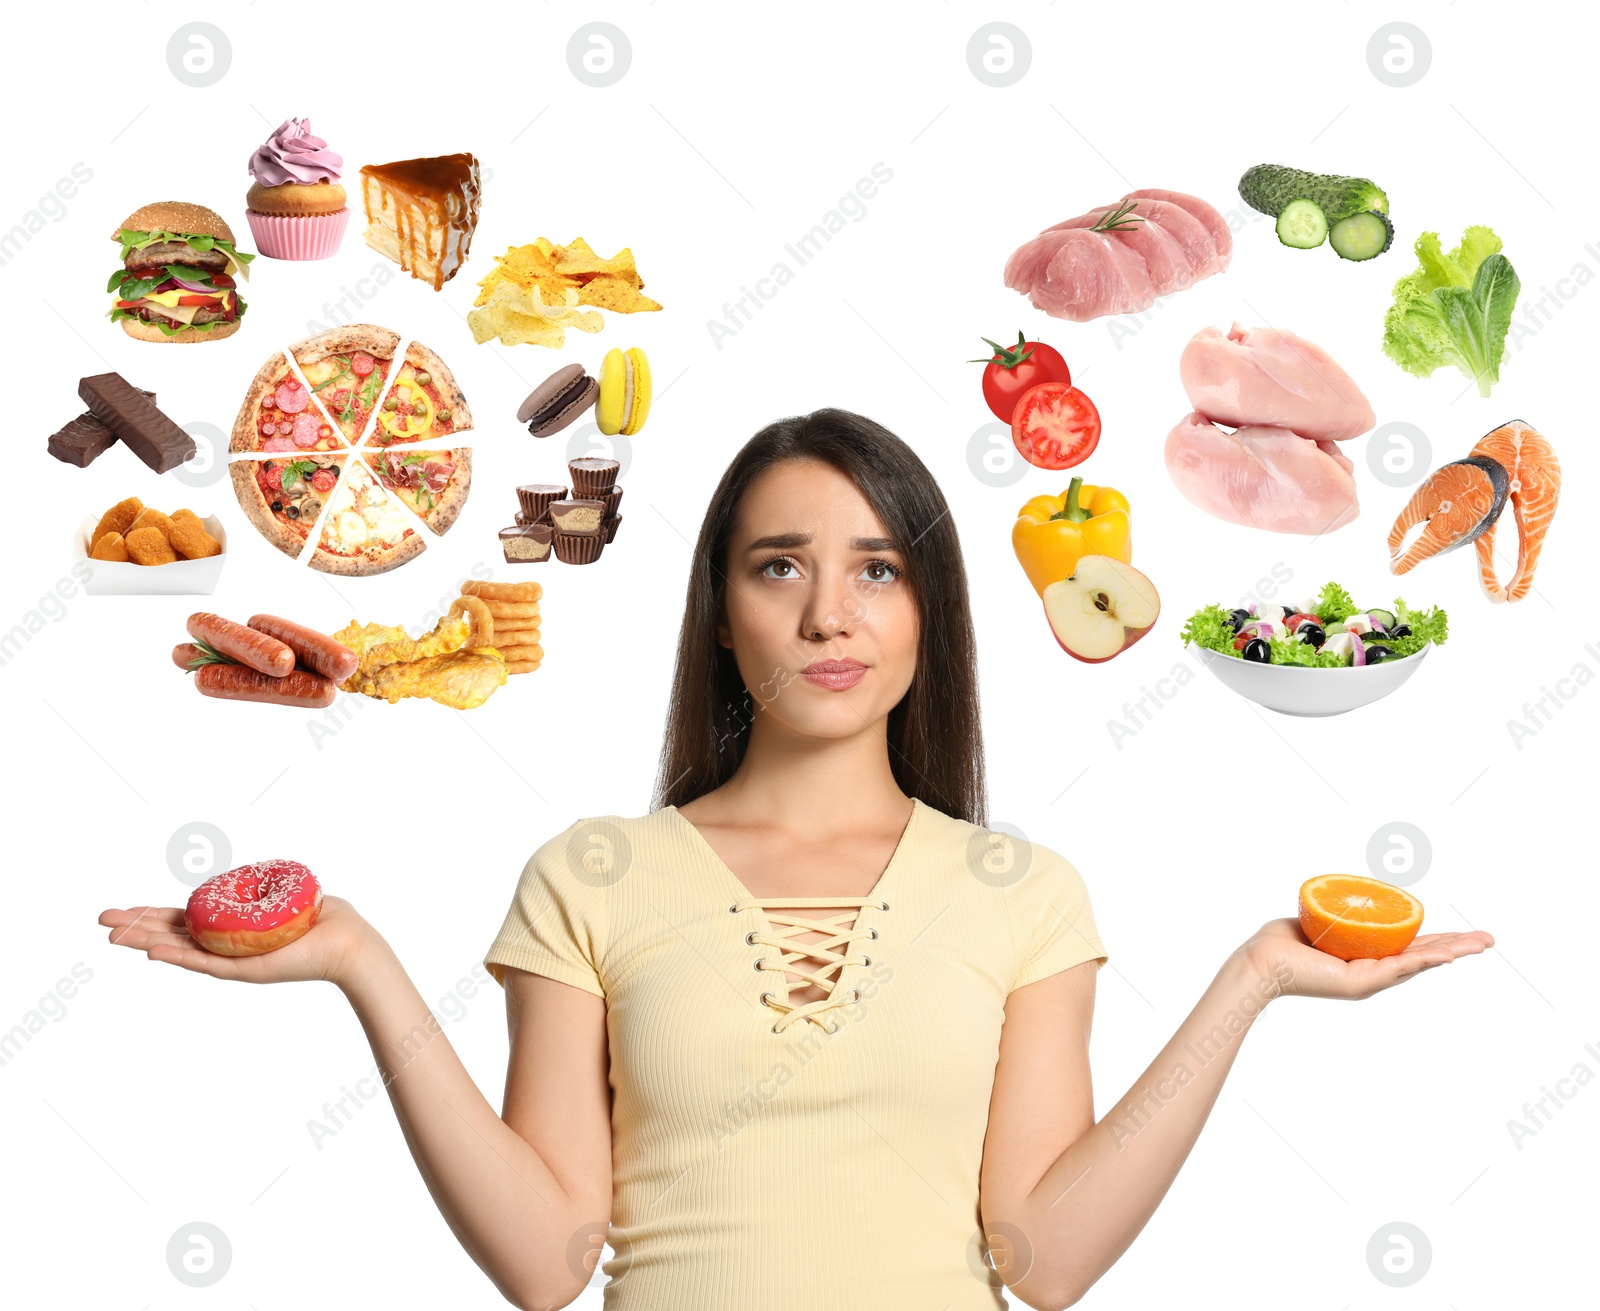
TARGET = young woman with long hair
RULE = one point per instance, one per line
(806, 1034)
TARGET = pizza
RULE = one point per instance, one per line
(347, 368)
(364, 529)
(432, 484)
(280, 414)
(423, 405)
(284, 498)
(364, 511)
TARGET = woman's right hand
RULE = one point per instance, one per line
(329, 951)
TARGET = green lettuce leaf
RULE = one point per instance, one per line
(1292, 651)
(1454, 309)
(1426, 626)
(1334, 604)
(1210, 628)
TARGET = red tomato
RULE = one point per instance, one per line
(324, 480)
(1055, 426)
(1013, 370)
(1294, 621)
(198, 299)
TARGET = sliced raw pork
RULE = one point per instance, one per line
(1161, 242)
(1267, 376)
(1207, 215)
(1262, 477)
(1076, 274)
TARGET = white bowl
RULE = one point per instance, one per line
(180, 578)
(1298, 690)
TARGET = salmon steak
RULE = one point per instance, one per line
(1456, 505)
(1535, 486)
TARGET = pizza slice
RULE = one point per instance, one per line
(432, 484)
(280, 415)
(365, 530)
(284, 498)
(347, 368)
(423, 405)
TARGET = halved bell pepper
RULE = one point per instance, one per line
(1052, 532)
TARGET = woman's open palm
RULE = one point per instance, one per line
(325, 952)
(1283, 955)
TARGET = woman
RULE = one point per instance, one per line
(805, 1032)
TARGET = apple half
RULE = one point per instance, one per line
(1102, 610)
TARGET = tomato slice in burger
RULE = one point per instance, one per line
(1055, 426)
(198, 299)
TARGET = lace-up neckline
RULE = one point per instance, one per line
(822, 964)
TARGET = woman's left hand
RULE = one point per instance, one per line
(1280, 954)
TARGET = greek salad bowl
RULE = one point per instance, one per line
(1325, 656)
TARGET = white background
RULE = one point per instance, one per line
(156, 1098)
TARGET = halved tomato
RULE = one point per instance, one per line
(1055, 426)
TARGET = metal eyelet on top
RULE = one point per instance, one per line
(733, 909)
(776, 1029)
(764, 997)
(883, 905)
(750, 938)
(866, 960)
(855, 994)
(760, 963)
(872, 933)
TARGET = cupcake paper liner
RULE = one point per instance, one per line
(303, 237)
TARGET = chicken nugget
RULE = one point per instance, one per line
(502, 591)
(110, 546)
(189, 539)
(513, 610)
(149, 546)
(118, 519)
(148, 518)
(184, 513)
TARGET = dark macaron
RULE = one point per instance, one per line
(558, 400)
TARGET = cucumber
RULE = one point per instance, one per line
(1270, 187)
(1384, 617)
(1302, 225)
(1361, 236)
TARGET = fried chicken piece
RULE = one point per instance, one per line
(461, 679)
(382, 646)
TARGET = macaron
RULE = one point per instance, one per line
(558, 400)
(624, 402)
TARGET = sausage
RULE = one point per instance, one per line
(315, 650)
(243, 644)
(185, 652)
(300, 687)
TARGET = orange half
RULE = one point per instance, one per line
(1357, 918)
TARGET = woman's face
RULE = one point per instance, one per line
(822, 624)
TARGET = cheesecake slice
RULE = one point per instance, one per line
(421, 213)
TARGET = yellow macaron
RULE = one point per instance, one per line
(624, 402)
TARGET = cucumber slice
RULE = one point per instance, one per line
(1384, 617)
(1302, 224)
(1362, 236)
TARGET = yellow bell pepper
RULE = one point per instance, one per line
(1052, 532)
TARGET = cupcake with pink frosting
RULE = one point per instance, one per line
(296, 204)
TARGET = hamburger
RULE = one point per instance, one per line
(176, 283)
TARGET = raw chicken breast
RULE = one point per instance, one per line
(1265, 376)
(1262, 477)
(1206, 215)
(1076, 274)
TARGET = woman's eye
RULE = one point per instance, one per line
(778, 569)
(880, 571)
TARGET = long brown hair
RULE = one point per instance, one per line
(934, 737)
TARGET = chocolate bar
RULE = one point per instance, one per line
(133, 417)
(83, 440)
(526, 544)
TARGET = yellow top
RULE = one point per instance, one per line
(778, 1156)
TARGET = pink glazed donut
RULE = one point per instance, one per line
(254, 908)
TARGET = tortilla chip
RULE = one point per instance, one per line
(613, 294)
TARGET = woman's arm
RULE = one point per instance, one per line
(1062, 1196)
(525, 1195)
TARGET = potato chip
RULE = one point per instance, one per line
(532, 293)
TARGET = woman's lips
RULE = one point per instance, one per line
(836, 675)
